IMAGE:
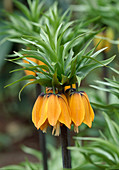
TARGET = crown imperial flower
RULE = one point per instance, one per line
(38, 62)
(108, 35)
(81, 110)
(56, 109)
(51, 109)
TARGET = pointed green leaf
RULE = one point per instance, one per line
(31, 151)
(78, 80)
(64, 79)
(23, 8)
(13, 167)
(112, 129)
(55, 81)
(85, 70)
(69, 59)
(22, 79)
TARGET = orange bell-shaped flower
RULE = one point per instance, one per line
(109, 35)
(77, 110)
(81, 110)
(28, 72)
(51, 110)
(36, 109)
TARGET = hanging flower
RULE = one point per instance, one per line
(81, 110)
(51, 110)
(54, 110)
(28, 72)
(107, 34)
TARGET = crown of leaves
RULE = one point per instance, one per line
(62, 45)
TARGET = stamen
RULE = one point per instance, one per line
(45, 130)
(56, 129)
(53, 130)
(76, 130)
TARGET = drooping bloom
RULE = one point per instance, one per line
(108, 34)
(81, 110)
(51, 110)
(56, 109)
(28, 72)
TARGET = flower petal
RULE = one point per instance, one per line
(44, 126)
(28, 72)
(68, 87)
(90, 108)
(43, 112)
(36, 110)
(64, 97)
(65, 113)
(54, 109)
(77, 109)
(87, 119)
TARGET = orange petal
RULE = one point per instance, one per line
(68, 87)
(74, 86)
(43, 112)
(65, 113)
(91, 112)
(28, 72)
(64, 97)
(87, 119)
(31, 59)
(54, 109)
(36, 110)
(90, 108)
(77, 109)
(41, 63)
(44, 126)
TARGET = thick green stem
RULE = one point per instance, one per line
(66, 157)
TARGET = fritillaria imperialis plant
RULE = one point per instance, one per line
(62, 66)
(58, 57)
